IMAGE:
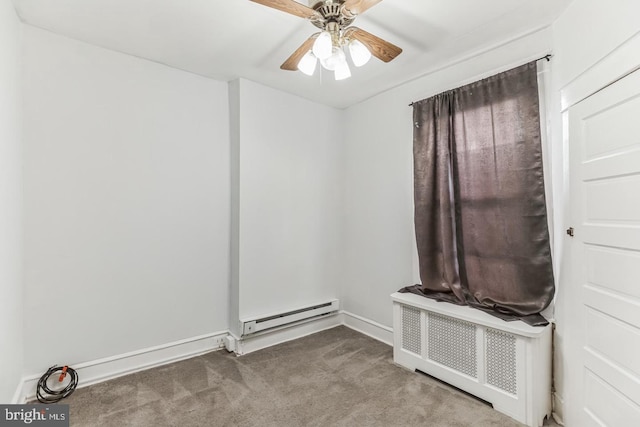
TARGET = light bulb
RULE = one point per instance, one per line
(328, 64)
(308, 63)
(360, 55)
(322, 46)
(342, 70)
(336, 57)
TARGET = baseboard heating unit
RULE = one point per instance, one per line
(507, 364)
(274, 321)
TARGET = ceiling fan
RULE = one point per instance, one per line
(334, 18)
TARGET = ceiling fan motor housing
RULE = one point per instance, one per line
(331, 11)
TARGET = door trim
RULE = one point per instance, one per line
(619, 63)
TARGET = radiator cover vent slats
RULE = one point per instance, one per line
(452, 343)
(501, 361)
(411, 330)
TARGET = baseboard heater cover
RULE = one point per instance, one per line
(254, 325)
(507, 364)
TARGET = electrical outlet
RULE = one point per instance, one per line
(219, 341)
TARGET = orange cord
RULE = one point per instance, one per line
(63, 374)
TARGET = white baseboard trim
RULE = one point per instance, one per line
(18, 393)
(108, 368)
(558, 409)
(368, 327)
(266, 339)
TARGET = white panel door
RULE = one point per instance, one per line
(603, 302)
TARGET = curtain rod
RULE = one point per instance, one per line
(547, 57)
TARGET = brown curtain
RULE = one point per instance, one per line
(480, 211)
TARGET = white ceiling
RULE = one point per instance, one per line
(226, 39)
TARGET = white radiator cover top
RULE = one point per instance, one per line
(505, 363)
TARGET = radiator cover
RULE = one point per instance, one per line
(505, 363)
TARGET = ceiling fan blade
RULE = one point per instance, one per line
(379, 48)
(291, 64)
(289, 6)
(357, 7)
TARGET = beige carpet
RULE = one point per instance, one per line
(333, 378)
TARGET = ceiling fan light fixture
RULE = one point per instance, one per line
(334, 19)
(360, 55)
(308, 63)
(322, 47)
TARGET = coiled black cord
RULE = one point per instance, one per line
(46, 395)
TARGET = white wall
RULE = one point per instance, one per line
(288, 194)
(590, 29)
(582, 36)
(11, 343)
(379, 235)
(126, 202)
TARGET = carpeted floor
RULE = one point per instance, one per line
(338, 377)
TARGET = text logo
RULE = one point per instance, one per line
(34, 415)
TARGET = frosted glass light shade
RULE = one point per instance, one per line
(308, 63)
(336, 57)
(323, 45)
(360, 55)
(342, 71)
